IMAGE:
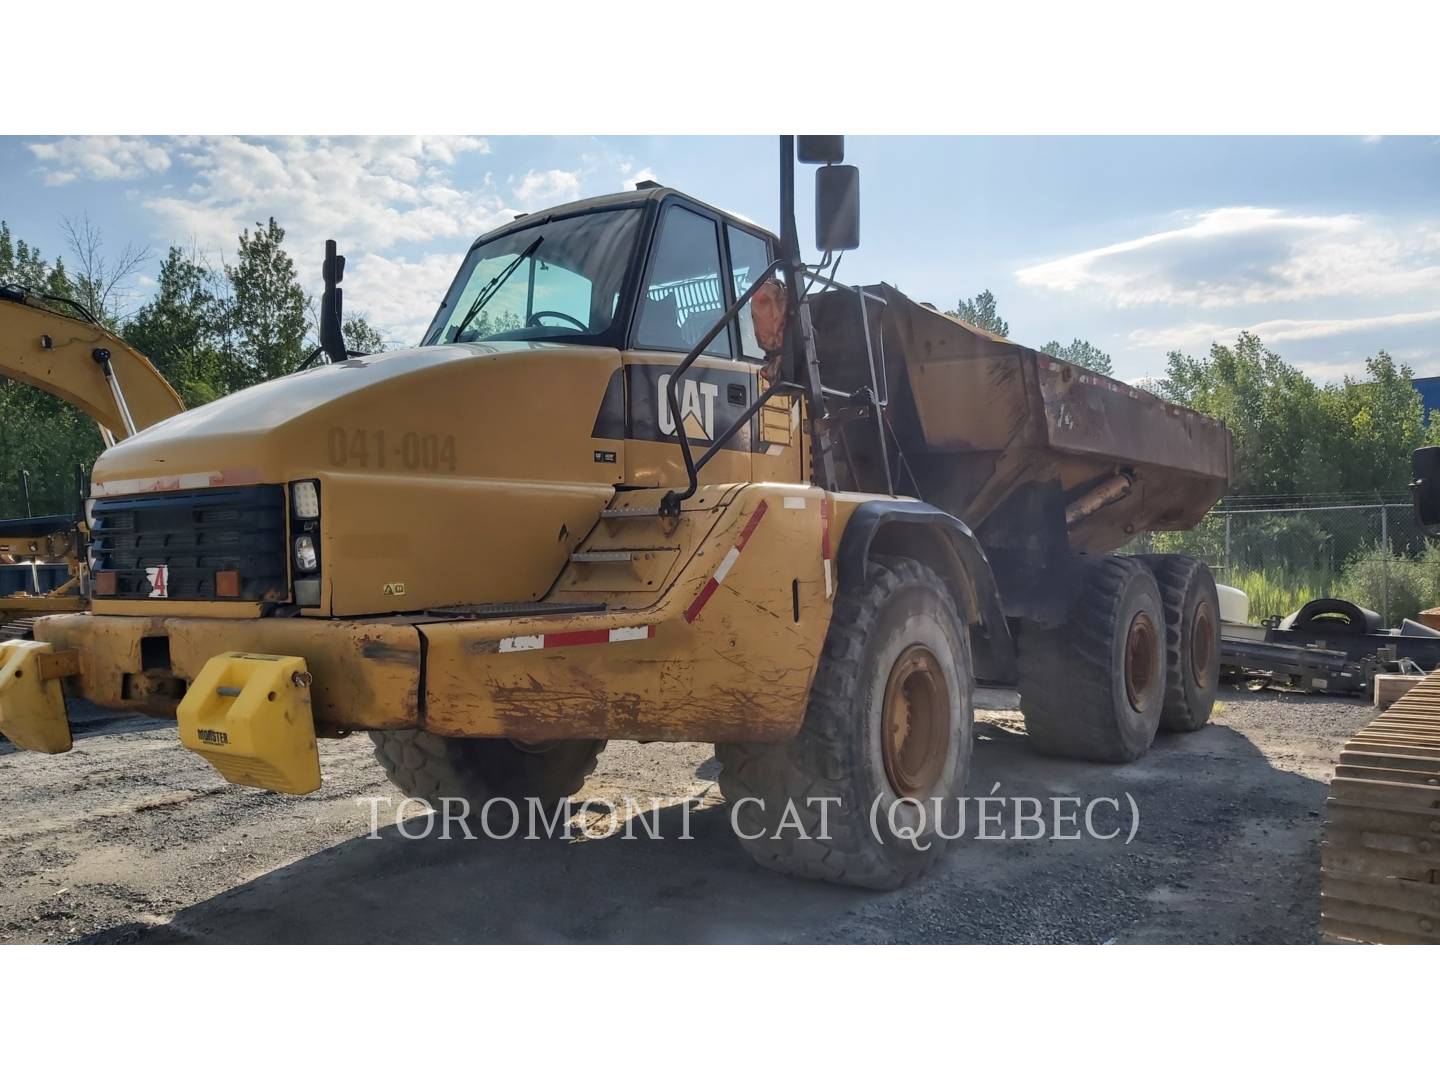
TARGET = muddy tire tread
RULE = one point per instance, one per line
(819, 761)
(1066, 686)
(1175, 574)
(434, 767)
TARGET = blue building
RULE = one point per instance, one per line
(1429, 389)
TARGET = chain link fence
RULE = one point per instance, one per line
(1283, 552)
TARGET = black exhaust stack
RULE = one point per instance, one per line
(332, 333)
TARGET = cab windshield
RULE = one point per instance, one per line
(555, 280)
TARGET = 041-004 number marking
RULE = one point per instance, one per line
(381, 450)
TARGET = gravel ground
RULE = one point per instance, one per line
(130, 838)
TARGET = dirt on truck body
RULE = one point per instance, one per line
(632, 487)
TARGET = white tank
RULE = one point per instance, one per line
(1234, 605)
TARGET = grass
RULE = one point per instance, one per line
(1411, 585)
(1278, 592)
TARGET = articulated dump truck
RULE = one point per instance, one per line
(630, 486)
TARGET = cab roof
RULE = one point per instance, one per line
(614, 201)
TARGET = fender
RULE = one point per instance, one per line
(947, 545)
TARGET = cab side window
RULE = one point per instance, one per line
(684, 292)
(749, 255)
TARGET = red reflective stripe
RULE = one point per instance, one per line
(693, 611)
(750, 525)
(576, 637)
(825, 527)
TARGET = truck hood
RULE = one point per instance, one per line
(210, 437)
(448, 474)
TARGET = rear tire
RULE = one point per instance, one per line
(1192, 640)
(889, 720)
(1094, 687)
(433, 767)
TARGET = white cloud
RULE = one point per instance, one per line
(538, 189)
(1274, 330)
(99, 157)
(1242, 255)
(630, 175)
(399, 296)
(370, 193)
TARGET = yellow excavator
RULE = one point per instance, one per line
(79, 361)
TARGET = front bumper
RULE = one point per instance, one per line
(366, 674)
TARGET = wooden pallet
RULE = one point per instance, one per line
(1380, 855)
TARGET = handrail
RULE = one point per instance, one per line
(670, 503)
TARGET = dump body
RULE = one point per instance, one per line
(980, 418)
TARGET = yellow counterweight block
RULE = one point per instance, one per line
(248, 714)
(32, 705)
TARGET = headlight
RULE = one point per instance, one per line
(306, 559)
(305, 497)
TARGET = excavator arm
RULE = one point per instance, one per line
(81, 362)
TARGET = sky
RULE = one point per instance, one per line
(1328, 248)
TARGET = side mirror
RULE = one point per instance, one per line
(1425, 488)
(837, 208)
(820, 149)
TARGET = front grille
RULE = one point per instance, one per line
(192, 535)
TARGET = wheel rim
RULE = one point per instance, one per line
(1202, 644)
(915, 722)
(1142, 649)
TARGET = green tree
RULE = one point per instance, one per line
(981, 312)
(1294, 437)
(183, 330)
(360, 336)
(1082, 353)
(1373, 425)
(268, 308)
(21, 264)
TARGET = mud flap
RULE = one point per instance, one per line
(32, 705)
(248, 715)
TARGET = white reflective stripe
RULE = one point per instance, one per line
(775, 449)
(726, 563)
(829, 588)
(630, 633)
(520, 644)
(794, 502)
(182, 482)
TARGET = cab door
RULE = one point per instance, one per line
(685, 288)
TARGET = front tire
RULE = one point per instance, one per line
(1094, 687)
(888, 729)
(434, 768)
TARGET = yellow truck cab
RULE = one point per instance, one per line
(603, 499)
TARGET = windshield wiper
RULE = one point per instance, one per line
(489, 291)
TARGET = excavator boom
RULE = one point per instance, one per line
(67, 357)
